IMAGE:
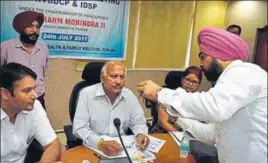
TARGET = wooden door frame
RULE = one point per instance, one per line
(257, 42)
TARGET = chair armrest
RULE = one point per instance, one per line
(72, 140)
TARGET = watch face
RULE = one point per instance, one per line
(171, 111)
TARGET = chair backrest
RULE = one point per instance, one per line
(172, 81)
(90, 76)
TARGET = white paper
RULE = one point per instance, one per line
(155, 144)
(133, 151)
(178, 136)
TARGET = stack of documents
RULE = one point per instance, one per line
(135, 154)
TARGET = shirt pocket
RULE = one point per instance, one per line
(99, 124)
(39, 70)
(21, 146)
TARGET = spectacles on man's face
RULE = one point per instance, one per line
(190, 81)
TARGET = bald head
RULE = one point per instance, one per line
(113, 75)
(109, 65)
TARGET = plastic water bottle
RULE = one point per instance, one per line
(185, 146)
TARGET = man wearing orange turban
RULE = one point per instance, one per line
(235, 108)
(26, 50)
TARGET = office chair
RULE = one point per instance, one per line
(34, 152)
(90, 76)
(172, 81)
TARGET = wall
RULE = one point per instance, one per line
(208, 13)
(250, 15)
(163, 31)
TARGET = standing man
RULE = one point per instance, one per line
(98, 105)
(235, 29)
(23, 117)
(26, 50)
(235, 108)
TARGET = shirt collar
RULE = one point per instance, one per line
(100, 92)
(4, 114)
(20, 45)
(235, 62)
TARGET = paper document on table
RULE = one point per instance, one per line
(177, 136)
(155, 144)
(135, 154)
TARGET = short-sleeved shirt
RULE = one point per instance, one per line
(15, 138)
(14, 51)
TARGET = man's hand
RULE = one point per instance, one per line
(142, 141)
(110, 148)
(148, 89)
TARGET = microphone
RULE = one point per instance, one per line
(117, 124)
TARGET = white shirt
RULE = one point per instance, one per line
(236, 108)
(95, 114)
(15, 138)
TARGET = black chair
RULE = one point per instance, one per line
(172, 81)
(90, 76)
(34, 152)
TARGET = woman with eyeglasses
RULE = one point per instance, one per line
(190, 81)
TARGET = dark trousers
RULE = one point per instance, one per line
(35, 149)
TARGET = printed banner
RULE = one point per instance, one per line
(75, 29)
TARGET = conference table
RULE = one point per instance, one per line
(169, 153)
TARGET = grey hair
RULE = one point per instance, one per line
(104, 69)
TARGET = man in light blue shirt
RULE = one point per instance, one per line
(99, 104)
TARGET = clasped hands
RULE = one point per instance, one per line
(113, 148)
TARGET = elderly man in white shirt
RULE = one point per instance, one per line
(23, 117)
(235, 108)
(98, 105)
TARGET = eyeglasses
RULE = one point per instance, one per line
(194, 82)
